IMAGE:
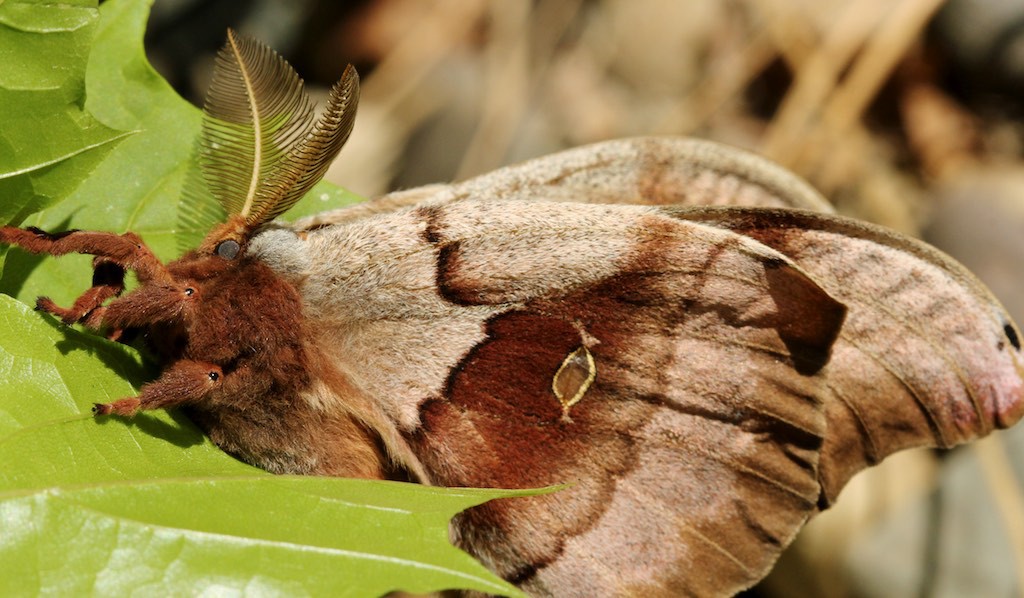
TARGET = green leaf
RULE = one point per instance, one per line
(137, 185)
(182, 537)
(91, 137)
(48, 143)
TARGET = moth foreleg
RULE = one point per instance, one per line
(147, 305)
(126, 250)
(107, 282)
(184, 382)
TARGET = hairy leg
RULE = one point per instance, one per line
(184, 382)
(114, 254)
(127, 250)
(107, 282)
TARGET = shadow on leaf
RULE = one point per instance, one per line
(182, 432)
(131, 368)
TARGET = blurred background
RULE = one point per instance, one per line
(908, 113)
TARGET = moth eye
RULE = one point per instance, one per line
(573, 378)
(1011, 335)
(228, 249)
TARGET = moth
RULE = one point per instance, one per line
(680, 332)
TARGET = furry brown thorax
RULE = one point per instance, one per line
(248, 321)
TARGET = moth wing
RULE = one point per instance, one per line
(694, 448)
(710, 429)
(927, 355)
(640, 170)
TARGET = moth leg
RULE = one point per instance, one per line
(126, 250)
(94, 321)
(184, 382)
(147, 305)
(107, 282)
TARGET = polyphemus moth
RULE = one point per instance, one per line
(680, 332)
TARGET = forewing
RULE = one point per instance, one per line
(695, 446)
(732, 396)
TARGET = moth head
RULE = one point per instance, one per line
(227, 241)
(262, 147)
